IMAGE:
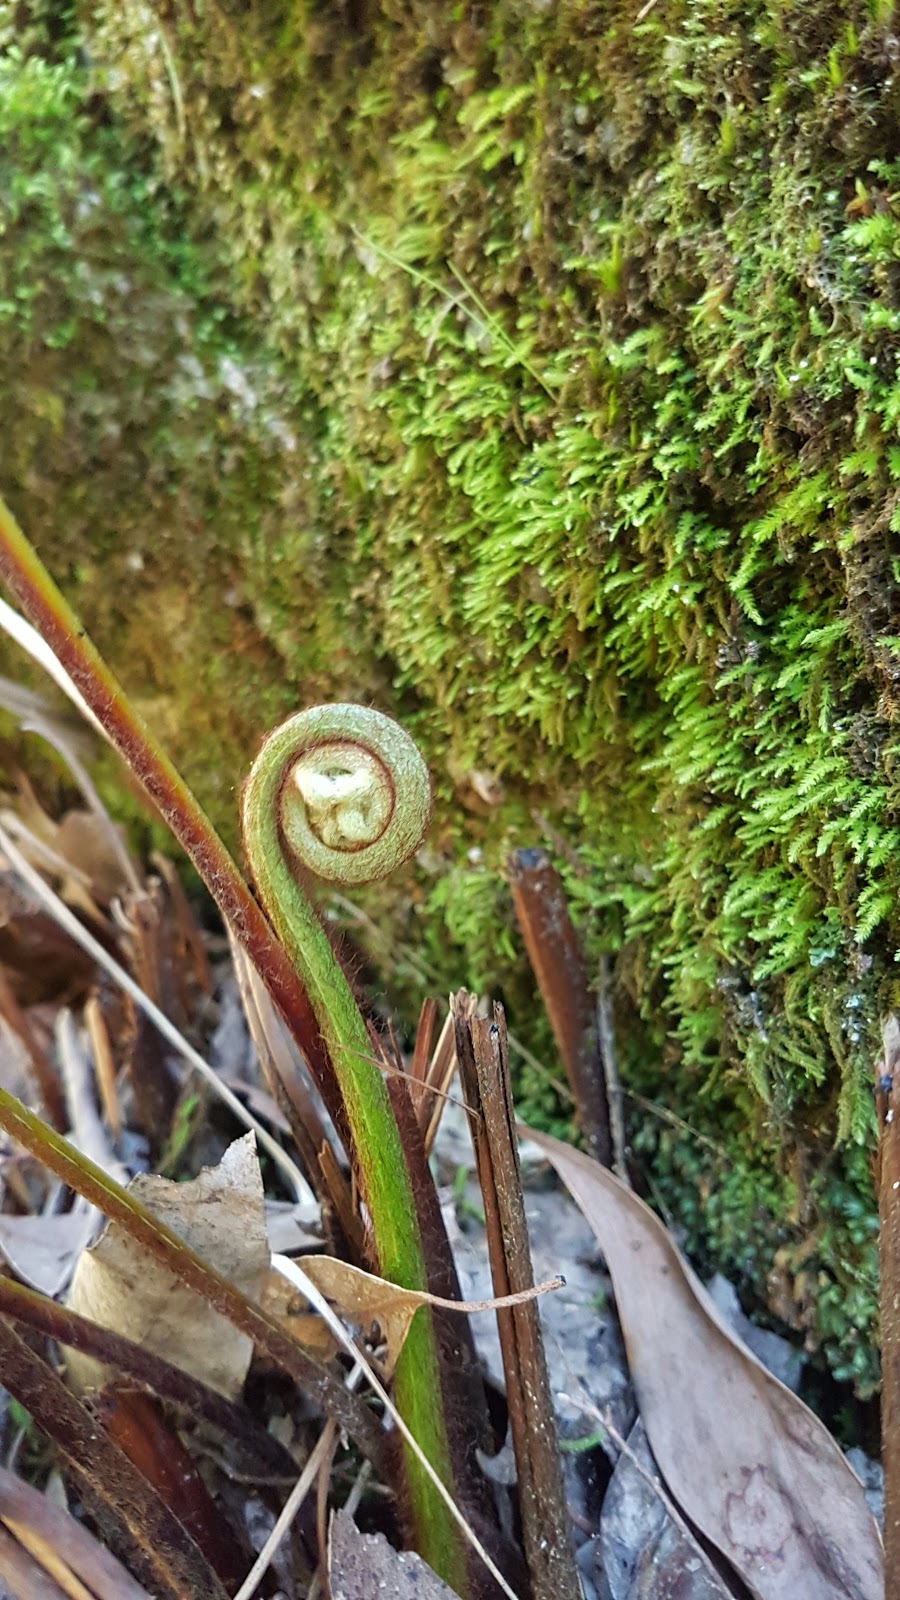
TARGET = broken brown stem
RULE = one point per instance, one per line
(482, 1051)
(555, 953)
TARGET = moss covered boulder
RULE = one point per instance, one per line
(529, 370)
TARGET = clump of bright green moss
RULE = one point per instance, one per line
(562, 416)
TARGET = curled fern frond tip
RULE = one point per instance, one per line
(351, 792)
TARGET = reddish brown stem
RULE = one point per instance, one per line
(44, 606)
(555, 953)
(887, 1086)
(116, 1492)
(121, 1206)
(136, 1424)
(262, 1453)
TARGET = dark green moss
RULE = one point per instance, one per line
(584, 334)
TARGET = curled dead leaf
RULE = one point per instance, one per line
(361, 1299)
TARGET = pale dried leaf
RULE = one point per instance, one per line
(292, 1226)
(221, 1215)
(361, 1298)
(92, 846)
(363, 1566)
(748, 1463)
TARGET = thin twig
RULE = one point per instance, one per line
(287, 1513)
(606, 1042)
(70, 656)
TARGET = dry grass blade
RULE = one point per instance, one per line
(130, 1512)
(72, 659)
(321, 1452)
(23, 1577)
(26, 1512)
(747, 1462)
(31, 642)
(546, 1525)
(319, 1462)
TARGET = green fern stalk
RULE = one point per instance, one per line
(342, 791)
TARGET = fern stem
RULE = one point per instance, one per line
(342, 791)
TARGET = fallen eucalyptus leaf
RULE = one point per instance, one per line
(221, 1215)
(745, 1460)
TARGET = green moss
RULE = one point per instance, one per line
(583, 333)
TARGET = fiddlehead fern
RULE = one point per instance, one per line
(343, 792)
(356, 797)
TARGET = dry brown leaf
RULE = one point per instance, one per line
(747, 1462)
(363, 1566)
(362, 1299)
(221, 1215)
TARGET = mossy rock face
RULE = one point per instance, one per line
(531, 371)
